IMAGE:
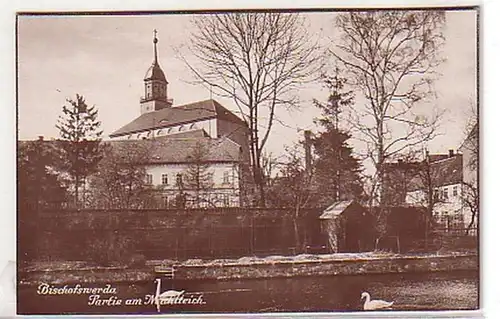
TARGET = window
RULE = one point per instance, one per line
(455, 191)
(210, 178)
(225, 178)
(149, 179)
(179, 179)
(445, 193)
(436, 195)
(164, 179)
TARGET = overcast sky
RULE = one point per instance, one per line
(105, 58)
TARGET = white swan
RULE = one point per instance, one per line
(166, 295)
(374, 304)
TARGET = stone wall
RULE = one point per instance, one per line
(328, 265)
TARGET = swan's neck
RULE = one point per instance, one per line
(367, 299)
(158, 283)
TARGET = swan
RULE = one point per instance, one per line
(166, 295)
(374, 304)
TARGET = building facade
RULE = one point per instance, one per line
(441, 177)
(174, 132)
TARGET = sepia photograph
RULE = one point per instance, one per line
(248, 161)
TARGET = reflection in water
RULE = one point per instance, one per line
(427, 291)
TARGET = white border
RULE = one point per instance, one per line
(490, 112)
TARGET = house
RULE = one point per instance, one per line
(436, 182)
(171, 160)
(445, 178)
(173, 131)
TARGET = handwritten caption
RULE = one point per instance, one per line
(106, 296)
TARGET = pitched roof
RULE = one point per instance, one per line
(443, 172)
(335, 209)
(177, 115)
(176, 150)
(447, 171)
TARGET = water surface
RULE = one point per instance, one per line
(418, 291)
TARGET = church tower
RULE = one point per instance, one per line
(155, 86)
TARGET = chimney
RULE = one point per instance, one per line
(307, 146)
(450, 153)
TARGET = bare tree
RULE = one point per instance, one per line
(390, 57)
(258, 60)
(120, 179)
(199, 176)
(470, 151)
(292, 188)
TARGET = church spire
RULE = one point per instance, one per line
(155, 41)
(155, 85)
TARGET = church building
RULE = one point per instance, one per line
(174, 132)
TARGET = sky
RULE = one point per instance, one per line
(104, 58)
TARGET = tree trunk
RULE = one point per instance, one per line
(77, 182)
(297, 235)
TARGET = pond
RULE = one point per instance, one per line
(417, 291)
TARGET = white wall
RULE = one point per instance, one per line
(453, 205)
(218, 169)
(226, 194)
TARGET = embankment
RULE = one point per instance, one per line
(250, 268)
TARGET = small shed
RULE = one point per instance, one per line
(348, 227)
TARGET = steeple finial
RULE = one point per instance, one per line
(155, 41)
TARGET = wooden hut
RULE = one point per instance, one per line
(348, 227)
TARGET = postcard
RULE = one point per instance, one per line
(318, 161)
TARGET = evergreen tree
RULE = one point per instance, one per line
(38, 187)
(79, 131)
(38, 183)
(337, 171)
